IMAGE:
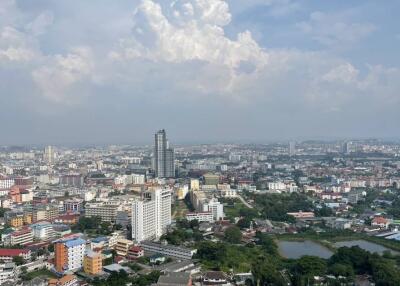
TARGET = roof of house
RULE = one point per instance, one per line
(13, 252)
(379, 220)
(174, 278)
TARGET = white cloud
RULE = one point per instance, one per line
(335, 30)
(345, 73)
(57, 78)
(200, 38)
(15, 45)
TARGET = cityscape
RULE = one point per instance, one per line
(199, 143)
(208, 214)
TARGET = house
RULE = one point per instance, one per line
(215, 278)
(175, 279)
(135, 252)
(380, 222)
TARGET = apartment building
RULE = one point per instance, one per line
(69, 254)
(106, 210)
(92, 263)
(7, 255)
(168, 250)
(18, 237)
(122, 246)
(151, 215)
(200, 216)
(8, 272)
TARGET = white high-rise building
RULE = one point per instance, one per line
(151, 215)
(49, 155)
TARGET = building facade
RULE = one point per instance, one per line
(163, 160)
(151, 215)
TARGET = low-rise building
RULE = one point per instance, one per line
(123, 246)
(135, 252)
(168, 250)
(92, 263)
(7, 254)
(200, 216)
(8, 272)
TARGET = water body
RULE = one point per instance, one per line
(297, 249)
(366, 245)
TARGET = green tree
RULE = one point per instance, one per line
(233, 235)
(18, 260)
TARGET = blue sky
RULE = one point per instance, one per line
(206, 70)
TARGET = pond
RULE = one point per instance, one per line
(297, 249)
(366, 245)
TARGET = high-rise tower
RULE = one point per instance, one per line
(163, 160)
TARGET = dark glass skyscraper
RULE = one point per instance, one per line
(163, 160)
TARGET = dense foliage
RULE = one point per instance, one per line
(276, 206)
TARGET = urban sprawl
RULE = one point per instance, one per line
(285, 213)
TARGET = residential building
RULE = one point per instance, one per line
(151, 215)
(8, 272)
(69, 254)
(7, 254)
(123, 246)
(18, 237)
(178, 252)
(200, 216)
(211, 179)
(175, 279)
(43, 230)
(73, 205)
(93, 263)
(135, 252)
(72, 180)
(106, 210)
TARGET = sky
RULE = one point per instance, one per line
(114, 72)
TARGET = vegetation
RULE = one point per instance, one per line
(276, 206)
(185, 231)
(2, 211)
(233, 235)
(93, 225)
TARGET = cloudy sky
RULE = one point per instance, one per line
(101, 71)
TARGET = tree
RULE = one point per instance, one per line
(309, 266)
(265, 272)
(339, 269)
(244, 223)
(18, 260)
(233, 235)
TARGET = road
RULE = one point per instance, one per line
(244, 202)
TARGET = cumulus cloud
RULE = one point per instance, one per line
(15, 45)
(59, 75)
(198, 37)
